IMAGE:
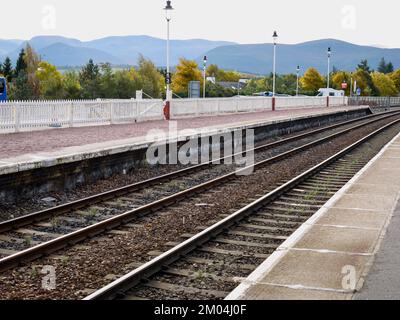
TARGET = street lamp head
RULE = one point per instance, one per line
(275, 36)
(168, 10)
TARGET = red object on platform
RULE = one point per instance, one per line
(167, 110)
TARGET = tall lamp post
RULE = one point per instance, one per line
(329, 67)
(297, 81)
(167, 111)
(204, 76)
(275, 38)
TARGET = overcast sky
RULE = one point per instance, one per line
(249, 21)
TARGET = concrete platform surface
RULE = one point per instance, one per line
(32, 150)
(330, 256)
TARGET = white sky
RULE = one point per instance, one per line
(244, 21)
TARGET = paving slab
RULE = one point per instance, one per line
(287, 293)
(383, 281)
(330, 256)
(354, 218)
(313, 269)
(340, 239)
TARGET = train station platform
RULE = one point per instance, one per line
(348, 250)
(40, 149)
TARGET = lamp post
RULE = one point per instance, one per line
(275, 38)
(168, 15)
(204, 76)
(329, 67)
(297, 81)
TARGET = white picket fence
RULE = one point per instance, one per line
(39, 115)
(218, 106)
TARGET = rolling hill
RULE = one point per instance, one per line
(63, 51)
(258, 58)
(247, 58)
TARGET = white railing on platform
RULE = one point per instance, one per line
(375, 101)
(38, 115)
(215, 106)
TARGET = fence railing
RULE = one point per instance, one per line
(375, 101)
(38, 115)
(215, 106)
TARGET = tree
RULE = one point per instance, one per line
(312, 80)
(186, 71)
(21, 64)
(152, 80)
(228, 76)
(341, 77)
(212, 71)
(107, 82)
(395, 76)
(21, 89)
(50, 79)
(384, 84)
(71, 85)
(365, 83)
(385, 67)
(127, 82)
(7, 69)
(32, 61)
(363, 65)
(89, 79)
(255, 86)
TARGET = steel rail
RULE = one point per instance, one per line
(109, 195)
(127, 282)
(121, 219)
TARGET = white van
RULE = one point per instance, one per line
(328, 92)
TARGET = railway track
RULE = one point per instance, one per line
(210, 264)
(29, 237)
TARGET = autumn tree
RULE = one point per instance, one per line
(312, 80)
(339, 78)
(50, 79)
(32, 61)
(395, 76)
(151, 79)
(71, 85)
(212, 71)
(126, 83)
(186, 71)
(384, 84)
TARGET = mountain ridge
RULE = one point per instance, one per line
(249, 58)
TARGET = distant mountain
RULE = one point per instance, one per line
(247, 58)
(258, 58)
(61, 54)
(63, 51)
(129, 47)
(7, 46)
